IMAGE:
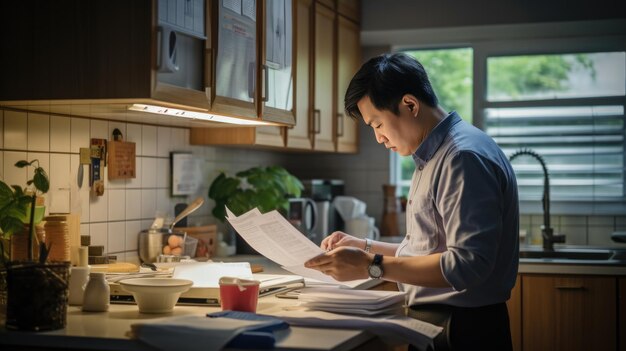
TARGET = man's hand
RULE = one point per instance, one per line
(338, 239)
(342, 263)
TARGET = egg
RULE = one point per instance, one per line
(177, 251)
(174, 241)
(167, 250)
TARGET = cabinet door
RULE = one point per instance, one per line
(350, 9)
(234, 46)
(569, 313)
(348, 62)
(324, 91)
(277, 70)
(622, 314)
(514, 305)
(300, 136)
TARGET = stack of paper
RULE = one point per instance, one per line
(356, 302)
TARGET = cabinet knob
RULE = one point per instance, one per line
(317, 116)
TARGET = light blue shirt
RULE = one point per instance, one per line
(463, 202)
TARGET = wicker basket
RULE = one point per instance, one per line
(37, 296)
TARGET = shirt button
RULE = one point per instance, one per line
(408, 236)
(421, 168)
(410, 202)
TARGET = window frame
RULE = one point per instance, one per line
(526, 39)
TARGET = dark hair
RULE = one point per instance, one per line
(385, 79)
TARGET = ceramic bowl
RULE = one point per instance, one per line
(156, 295)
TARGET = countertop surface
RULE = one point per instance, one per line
(108, 330)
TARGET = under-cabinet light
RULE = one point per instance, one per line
(196, 115)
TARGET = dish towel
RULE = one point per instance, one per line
(196, 333)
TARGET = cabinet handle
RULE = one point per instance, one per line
(340, 124)
(266, 86)
(317, 116)
(574, 287)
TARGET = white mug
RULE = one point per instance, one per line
(362, 227)
(79, 276)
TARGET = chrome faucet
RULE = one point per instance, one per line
(547, 233)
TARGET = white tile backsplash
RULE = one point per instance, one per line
(133, 204)
(60, 134)
(79, 132)
(99, 207)
(163, 176)
(15, 130)
(163, 141)
(148, 141)
(12, 174)
(60, 185)
(117, 205)
(38, 132)
(116, 237)
(132, 235)
(148, 203)
(98, 233)
(99, 129)
(148, 172)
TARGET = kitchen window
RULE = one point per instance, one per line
(561, 97)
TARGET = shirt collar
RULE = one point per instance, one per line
(434, 139)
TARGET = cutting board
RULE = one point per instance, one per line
(117, 267)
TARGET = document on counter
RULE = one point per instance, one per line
(277, 239)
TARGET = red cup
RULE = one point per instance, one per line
(239, 294)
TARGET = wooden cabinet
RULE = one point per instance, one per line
(621, 301)
(348, 62)
(514, 305)
(350, 9)
(300, 136)
(206, 56)
(569, 312)
(324, 127)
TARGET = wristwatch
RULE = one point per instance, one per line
(375, 270)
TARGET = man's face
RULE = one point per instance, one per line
(398, 133)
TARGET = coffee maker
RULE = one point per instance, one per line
(323, 191)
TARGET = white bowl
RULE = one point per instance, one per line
(156, 295)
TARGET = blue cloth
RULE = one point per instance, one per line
(463, 203)
(259, 338)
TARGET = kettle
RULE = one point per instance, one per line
(303, 214)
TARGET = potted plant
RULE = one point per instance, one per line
(267, 188)
(36, 289)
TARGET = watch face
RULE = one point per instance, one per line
(375, 271)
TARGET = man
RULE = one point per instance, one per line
(458, 261)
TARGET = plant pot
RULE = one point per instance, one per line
(40, 211)
(37, 296)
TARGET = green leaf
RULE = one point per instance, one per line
(41, 180)
(22, 164)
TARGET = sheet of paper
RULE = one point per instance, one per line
(208, 274)
(395, 330)
(277, 239)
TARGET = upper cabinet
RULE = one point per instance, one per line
(173, 56)
(323, 78)
(252, 46)
(348, 62)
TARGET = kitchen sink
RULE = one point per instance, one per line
(569, 254)
(574, 255)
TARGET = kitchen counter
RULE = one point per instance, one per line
(108, 331)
